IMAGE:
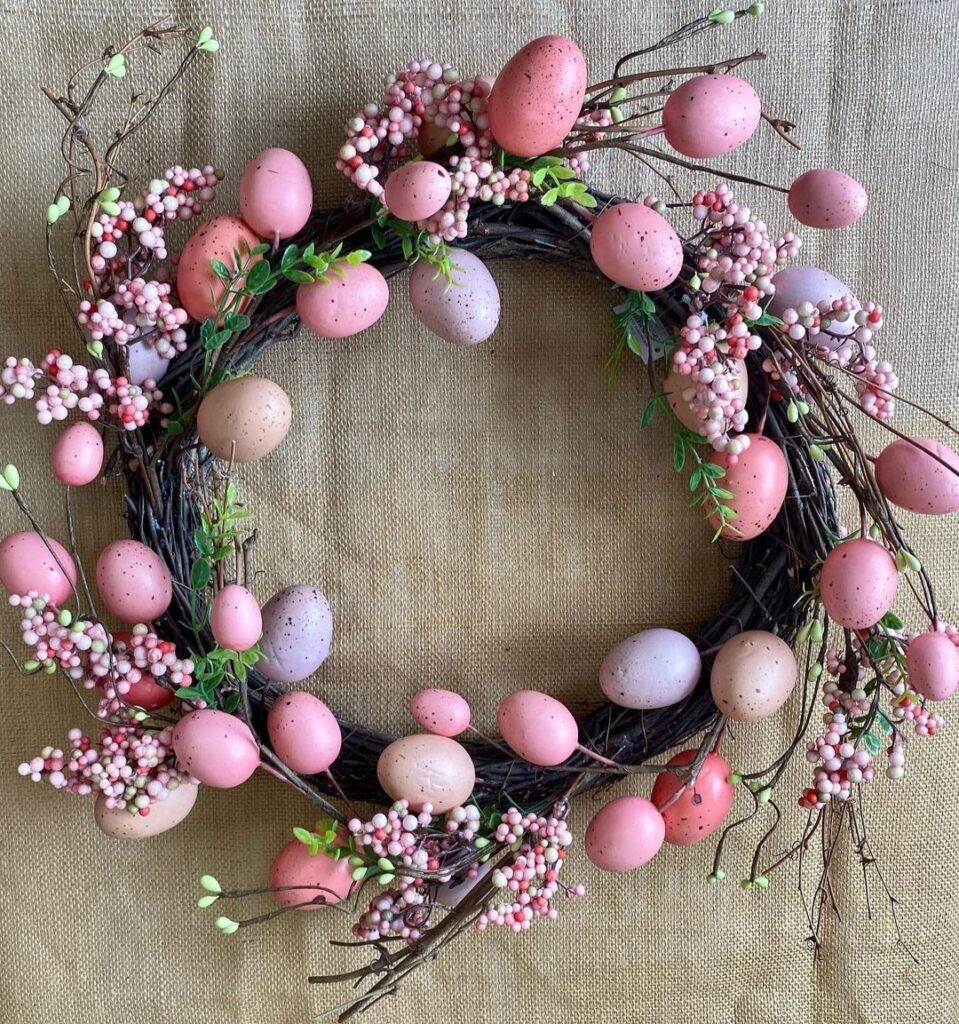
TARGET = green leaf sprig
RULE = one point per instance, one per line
(211, 671)
(633, 319)
(554, 179)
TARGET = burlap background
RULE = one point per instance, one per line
(481, 519)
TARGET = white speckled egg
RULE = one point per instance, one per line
(465, 312)
(297, 630)
(651, 669)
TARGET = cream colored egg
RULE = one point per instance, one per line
(244, 419)
(753, 675)
(427, 769)
(164, 815)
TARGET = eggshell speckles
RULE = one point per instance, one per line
(244, 418)
(932, 665)
(753, 675)
(675, 384)
(294, 865)
(624, 834)
(275, 194)
(27, 562)
(812, 284)
(417, 190)
(537, 727)
(702, 806)
(710, 115)
(824, 198)
(164, 815)
(636, 247)
(215, 748)
(858, 583)
(538, 96)
(911, 476)
(758, 482)
(304, 732)
(651, 669)
(77, 455)
(133, 581)
(440, 711)
(465, 312)
(297, 630)
(343, 305)
(427, 769)
(198, 287)
(235, 618)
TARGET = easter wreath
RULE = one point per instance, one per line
(758, 366)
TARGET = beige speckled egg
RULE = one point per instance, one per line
(427, 769)
(675, 384)
(164, 815)
(753, 675)
(251, 413)
(919, 474)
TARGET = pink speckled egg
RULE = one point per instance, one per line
(702, 806)
(324, 879)
(199, 289)
(858, 583)
(624, 834)
(235, 618)
(636, 247)
(297, 632)
(427, 769)
(417, 190)
(163, 815)
(304, 732)
(824, 198)
(28, 562)
(537, 727)
(538, 96)
(77, 455)
(795, 285)
(145, 363)
(932, 666)
(910, 474)
(346, 303)
(215, 748)
(133, 581)
(651, 669)
(680, 391)
(274, 193)
(710, 115)
(758, 481)
(244, 419)
(753, 675)
(440, 711)
(465, 312)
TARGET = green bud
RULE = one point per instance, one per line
(206, 34)
(721, 17)
(755, 9)
(64, 618)
(386, 878)
(63, 204)
(224, 923)
(49, 667)
(745, 884)
(618, 94)
(816, 453)
(9, 478)
(711, 878)
(206, 901)
(803, 407)
(52, 214)
(802, 634)
(617, 114)
(113, 209)
(906, 561)
(695, 282)
(384, 865)
(31, 666)
(815, 671)
(720, 873)
(734, 778)
(480, 843)
(875, 533)
(765, 795)
(359, 874)
(792, 412)
(762, 882)
(95, 348)
(356, 862)
(210, 884)
(815, 631)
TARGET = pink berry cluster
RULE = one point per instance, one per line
(591, 124)
(138, 308)
(59, 641)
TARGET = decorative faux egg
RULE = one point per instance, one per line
(77, 455)
(651, 669)
(431, 137)
(235, 618)
(275, 194)
(217, 749)
(198, 288)
(795, 285)
(465, 312)
(145, 363)
(244, 419)
(624, 834)
(161, 817)
(347, 302)
(133, 581)
(710, 115)
(322, 877)
(416, 190)
(675, 384)
(824, 198)
(758, 481)
(753, 675)
(538, 96)
(441, 712)
(304, 732)
(858, 583)
(537, 727)
(636, 247)
(702, 806)
(932, 666)
(427, 769)
(28, 562)
(146, 692)
(297, 630)
(911, 474)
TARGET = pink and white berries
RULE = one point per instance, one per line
(858, 583)
(636, 247)
(824, 198)
(711, 115)
(625, 834)
(275, 194)
(417, 190)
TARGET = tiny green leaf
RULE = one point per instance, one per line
(210, 884)
(10, 478)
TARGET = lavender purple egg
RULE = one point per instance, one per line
(297, 630)
(651, 669)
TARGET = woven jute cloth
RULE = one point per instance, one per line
(483, 519)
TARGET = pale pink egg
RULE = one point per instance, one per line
(537, 727)
(198, 288)
(758, 481)
(911, 474)
(235, 618)
(702, 806)
(675, 384)
(710, 115)
(651, 669)
(538, 96)
(145, 363)
(324, 880)
(636, 247)
(824, 198)
(795, 285)
(77, 455)
(753, 675)
(217, 749)
(133, 581)
(161, 817)
(345, 303)
(932, 666)
(464, 312)
(28, 562)
(244, 419)
(297, 632)
(417, 190)
(427, 769)
(304, 732)
(275, 194)
(858, 583)
(624, 834)
(440, 711)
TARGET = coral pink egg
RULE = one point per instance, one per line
(275, 194)
(417, 190)
(304, 732)
(133, 581)
(28, 562)
(235, 618)
(537, 727)
(77, 455)
(199, 289)
(932, 666)
(758, 481)
(215, 748)
(753, 675)
(824, 198)
(346, 303)
(702, 806)
(858, 583)
(163, 815)
(323, 878)
(676, 384)
(427, 769)
(711, 115)
(919, 474)
(440, 711)
(636, 247)
(651, 669)
(624, 834)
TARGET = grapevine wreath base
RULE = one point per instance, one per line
(759, 367)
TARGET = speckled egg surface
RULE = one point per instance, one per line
(539, 728)
(133, 581)
(199, 289)
(346, 303)
(235, 618)
(465, 312)
(216, 748)
(164, 815)
(858, 583)
(427, 769)
(932, 665)
(440, 711)
(294, 865)
(824, 198)
(702, 806)
(636, 247)
(244, 418)
(77, 455)
(304, 733)
(710, 115)
(275, 194)
(753, 675)
(910, 474)
(624, 834)
(651, 669)
(758, 482)
(297, 631)
(28, 562)
(416, 190)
